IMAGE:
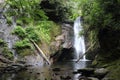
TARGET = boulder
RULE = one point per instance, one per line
(100, 73)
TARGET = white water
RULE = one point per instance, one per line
(79, 43)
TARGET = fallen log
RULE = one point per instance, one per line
(85, 52)
(40, 52)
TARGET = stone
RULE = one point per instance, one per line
(65, 77)
(92, 78)
(83, 78)
(106, 78)
(56, 69)
(101, 71)
(86, 71)
(75, 72)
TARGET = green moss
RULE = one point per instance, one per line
(9, 20)
(7, 53)
(114, 69)
(23, 44)
(23, 47)
(2, 42)
(32, 34)
(48, 30)
(19, 22)
(19, 31)
(24, 52)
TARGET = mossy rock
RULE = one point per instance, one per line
(24, 52)
(114, 69)
(2, 43)
(6, 53)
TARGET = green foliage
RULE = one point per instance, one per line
(9, 20)
(100, 14)
(56, 10)
(2, 43)
(32, 34)
(7, 53)
(74, 9)
(23, 44)
(4, 50)
(20, 32)
(47, 29)
(28, 32)
(25, 10)
(23, 47)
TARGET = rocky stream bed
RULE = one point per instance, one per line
(69, 70)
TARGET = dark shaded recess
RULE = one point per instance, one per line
(53, 10)
(109, 41)
(90, 55)
(66, 54)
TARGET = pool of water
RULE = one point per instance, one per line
(63, 70)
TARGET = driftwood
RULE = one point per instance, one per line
(85, 52)
(40, 52)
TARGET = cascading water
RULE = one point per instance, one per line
(79, 43)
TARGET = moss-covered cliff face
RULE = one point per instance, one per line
(109, 41)
(109, 53)
(22, 21)
(101, 22)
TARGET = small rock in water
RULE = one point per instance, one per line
(38, 73)
(83, 78)
(68, 77)
(86, 71)
(56, 74)
(56, 69)
(107, 78)
(30, 72)
(75, 72)
(65, 78)
(92, 78)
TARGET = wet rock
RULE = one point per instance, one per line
(30, 72)
(75, 72)
(65, 78)
(100, 73)
(56, 69)
(92, 78)
(21, 62)
(83, 78)
(38, 73)
(86, 71)
(107, 79)
(56, 74)
(13, 68)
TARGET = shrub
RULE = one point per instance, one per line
(32, 34)
(20, 32)
(23, 44)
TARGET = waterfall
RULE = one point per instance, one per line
(79, 43)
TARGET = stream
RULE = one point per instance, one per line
(58, 71)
